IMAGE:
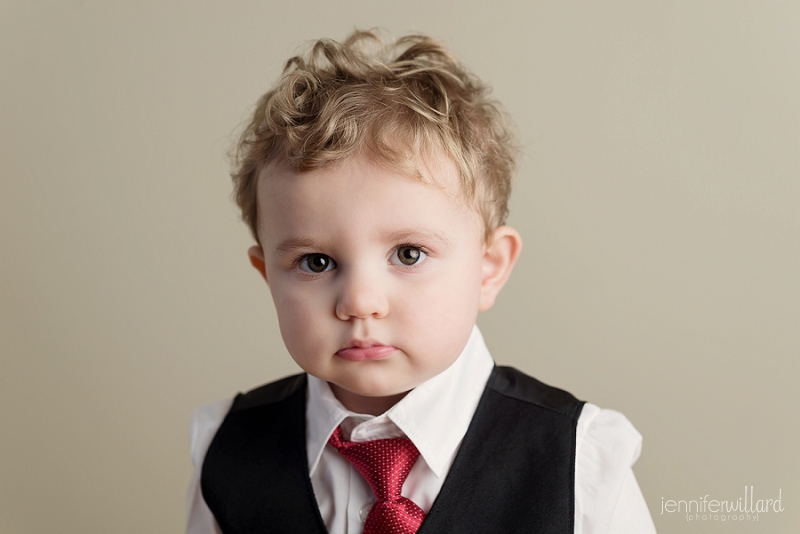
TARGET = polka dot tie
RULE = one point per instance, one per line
(385, 464)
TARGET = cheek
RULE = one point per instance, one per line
(299, 313)
(446, 306)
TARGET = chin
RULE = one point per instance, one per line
(374, 390)
(373, 387)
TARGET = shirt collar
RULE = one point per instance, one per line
(434, 415)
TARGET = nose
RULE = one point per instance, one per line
(360, 297)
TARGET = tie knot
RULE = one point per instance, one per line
(384, 463)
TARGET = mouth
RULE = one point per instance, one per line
(360, 350)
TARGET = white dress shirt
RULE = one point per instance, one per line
(435, 416)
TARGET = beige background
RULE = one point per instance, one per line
(658, 199)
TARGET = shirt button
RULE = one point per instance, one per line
(365, 512)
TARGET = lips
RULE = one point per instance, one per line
(364, 350)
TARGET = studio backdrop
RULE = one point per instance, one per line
(657, 197)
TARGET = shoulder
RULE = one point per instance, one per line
(606, 491)
(605, 438)
(517, 385)
(607, 496)
(271, 393)
(203, 425)
(207, 419)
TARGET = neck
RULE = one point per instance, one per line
(363, 404)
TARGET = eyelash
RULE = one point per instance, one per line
(297, 262)
(422, 249)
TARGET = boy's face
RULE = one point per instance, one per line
(377, 277)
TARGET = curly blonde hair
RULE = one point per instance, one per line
(394, 103)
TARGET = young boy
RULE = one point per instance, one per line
(375, 180)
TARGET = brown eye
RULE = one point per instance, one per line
(316, 263)
(407, 255)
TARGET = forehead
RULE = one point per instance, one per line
(358, 191)
(433, 167)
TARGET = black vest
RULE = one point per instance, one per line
(514, 472)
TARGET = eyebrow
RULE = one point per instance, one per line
(294, 243)
(413, 235)
(301, 243)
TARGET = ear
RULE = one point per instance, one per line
(498, 260)
(257, 260)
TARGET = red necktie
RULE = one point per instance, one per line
(385, 464)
